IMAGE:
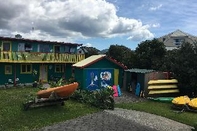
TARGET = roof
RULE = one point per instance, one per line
(178, 33)
(135, 70)
(93, 59)
(40, 41)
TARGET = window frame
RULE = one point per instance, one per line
(26, 71)
(8, 42)
(61, 68)
(10, 67)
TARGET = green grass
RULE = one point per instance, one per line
(14, 118)
(162, 109)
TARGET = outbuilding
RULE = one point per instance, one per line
(98, 71)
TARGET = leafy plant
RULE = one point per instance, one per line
(195, 127)
(102, 98)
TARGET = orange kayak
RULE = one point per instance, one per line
(61, 91)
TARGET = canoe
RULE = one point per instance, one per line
(181, 100)
(193, 103)
(61, 91)
(162, 99)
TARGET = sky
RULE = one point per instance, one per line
(97, 23)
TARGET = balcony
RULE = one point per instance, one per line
(36, 57)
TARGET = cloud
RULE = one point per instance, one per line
(155, 25)
(88, 45)
(155, 7)
(70, 19)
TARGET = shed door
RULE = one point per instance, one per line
(106, 77)
(92, 79)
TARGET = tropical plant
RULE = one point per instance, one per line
(102, 98)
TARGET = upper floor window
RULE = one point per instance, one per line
(178, 41)
(6, 46)
(24, 47)
(69, 49)
(26, 68)
(44, 48)
(56, 49)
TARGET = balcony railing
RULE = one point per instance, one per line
(36, 57)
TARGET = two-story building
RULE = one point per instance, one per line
(174, 39)
(29, 60)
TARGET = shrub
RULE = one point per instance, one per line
(102, 98)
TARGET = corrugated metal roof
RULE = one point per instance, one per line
(135, 70)
(88, 60)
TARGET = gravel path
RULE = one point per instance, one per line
(119, 120)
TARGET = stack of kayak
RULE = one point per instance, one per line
(185, 101)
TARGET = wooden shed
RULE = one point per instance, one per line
(98, 71)
(132, 77)
(143, 82)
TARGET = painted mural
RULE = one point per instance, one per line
(92, 79)
(105, 78)
(98, 78)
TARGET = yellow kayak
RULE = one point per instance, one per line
(181, 100)
(193, 103)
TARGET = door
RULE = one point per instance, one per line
(92, 79)
(43, 73)
(106, 77)
(6, 48)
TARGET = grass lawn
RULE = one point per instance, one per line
(14, 118)
(162, 109)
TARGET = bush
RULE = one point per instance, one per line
(102, 98)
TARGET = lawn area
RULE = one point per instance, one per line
(14, 118)
(162, 109)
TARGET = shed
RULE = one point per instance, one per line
(132, 77)
(98, 71)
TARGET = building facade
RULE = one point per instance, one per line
(26, 60)
(175, 39)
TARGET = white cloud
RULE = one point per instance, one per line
(88, 45)
(156, 25)
(70, 19)
(155, 7)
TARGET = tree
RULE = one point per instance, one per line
(122, 54)
(185, 68)
(150, 54)
(90, 51)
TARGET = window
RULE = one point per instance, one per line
(72, 49)
(26, 68)
(6, 46)
(59, 68)
(28, 47)
(24, 47)
(8, 69)
(21, 47)
(67, 48)
(44, 48)
(57, 49)
(178, 41)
